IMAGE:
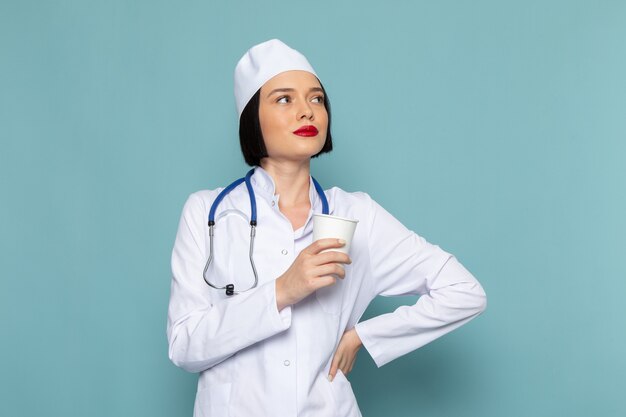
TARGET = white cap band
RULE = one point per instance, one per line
(262, 62)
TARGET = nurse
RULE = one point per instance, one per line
(285, 346)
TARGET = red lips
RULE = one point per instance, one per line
(306, 131)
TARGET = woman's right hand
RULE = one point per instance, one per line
(310, 271)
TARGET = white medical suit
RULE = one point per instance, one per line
(257, 361)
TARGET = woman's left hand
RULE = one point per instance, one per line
(345, 355)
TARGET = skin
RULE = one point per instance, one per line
(288, 163)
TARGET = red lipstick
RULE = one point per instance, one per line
(306, 131)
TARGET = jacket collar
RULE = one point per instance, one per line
(265, 187)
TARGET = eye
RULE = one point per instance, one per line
(283, 99)
(318, 99)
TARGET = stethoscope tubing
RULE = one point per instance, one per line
(230, 288)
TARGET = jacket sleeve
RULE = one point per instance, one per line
(203, 330)
(403, 263)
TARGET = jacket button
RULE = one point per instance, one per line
(284, 251)
(273, 202)
(286, 363)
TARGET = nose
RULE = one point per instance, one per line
(305, 111)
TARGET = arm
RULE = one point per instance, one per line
(202, 332)
(404, 263)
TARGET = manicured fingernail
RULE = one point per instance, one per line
(341, 241)
(330, 378)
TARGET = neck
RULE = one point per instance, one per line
(291, 180)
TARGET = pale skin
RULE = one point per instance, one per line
(288, 101)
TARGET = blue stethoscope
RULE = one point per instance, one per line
(230, 288)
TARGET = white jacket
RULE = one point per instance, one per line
(256, 361)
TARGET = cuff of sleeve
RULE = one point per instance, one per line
(363, 330)
(282, 318)
(264, 319)
(285, 314)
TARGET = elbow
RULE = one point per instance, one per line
(177, 358)
(480, 299)
(189, 358)
(182, 362)
(180, 357)
(472, 300)
(468, 295)
(482, 306)
(185, 365)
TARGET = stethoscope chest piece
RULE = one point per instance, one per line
(230, 289)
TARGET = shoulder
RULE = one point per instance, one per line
(355, 197)
(355, 204)
(199, 202)
(359, 205)
(204, 196)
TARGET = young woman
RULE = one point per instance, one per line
(277, 329)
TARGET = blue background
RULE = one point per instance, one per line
(494, 129)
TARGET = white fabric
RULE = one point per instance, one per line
(256, 361)
(262, 62)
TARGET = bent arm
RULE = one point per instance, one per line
(202, 330)
(404, 263)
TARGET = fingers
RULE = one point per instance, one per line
(340, 362)
(325, 282)
(330, 269)
(333, 256)
(344, 357)
(321, 244)
(333, 370)
(349, 366)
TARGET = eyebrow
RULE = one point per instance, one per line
(282, 90)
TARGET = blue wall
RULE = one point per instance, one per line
(494, 129)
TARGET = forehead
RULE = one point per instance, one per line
(292, 79)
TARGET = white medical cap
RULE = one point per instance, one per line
(262, 62)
